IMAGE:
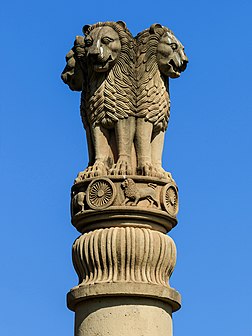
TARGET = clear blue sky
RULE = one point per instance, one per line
(208, 151)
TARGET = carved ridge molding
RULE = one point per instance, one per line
(124, 255)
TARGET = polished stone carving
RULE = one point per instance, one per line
(133, 194)
(102, 66)
(78, 201)
(159, 55)
(124, 255)
(125, 104)
(151, 203)
(100, 193)
(169, 199)
(159, 196)
(124, 203)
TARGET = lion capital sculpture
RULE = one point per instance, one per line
(101, 65)
(125, 101)
(160, 55)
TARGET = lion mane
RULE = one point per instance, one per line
(125, 102)
(132, 192)
(130, 188)
(109, 97)
(153, 100)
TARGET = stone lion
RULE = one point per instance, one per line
(101, 65)
(159, 56)
(135, 194)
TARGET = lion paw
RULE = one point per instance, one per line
(98, 169)
(169, 176)
(146, 169)
(161, 173)
(122, 167)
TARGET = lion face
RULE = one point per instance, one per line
(102, 46)
(170, 56)
(125, 183)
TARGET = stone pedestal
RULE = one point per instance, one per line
(124, 257)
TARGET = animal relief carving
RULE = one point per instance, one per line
(134, 193)
(77, 205)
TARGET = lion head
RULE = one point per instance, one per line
(108, 68)
(129, 187)
(159, 55)
(102, 46)
(171, 57)
(105, 42)
(159, 47)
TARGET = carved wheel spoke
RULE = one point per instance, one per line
(100, 193)
(169, 199)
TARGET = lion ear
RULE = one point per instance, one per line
(85, 29)
(154, 27)
(122, 24)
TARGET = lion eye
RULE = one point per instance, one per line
(107, 40)
(88, 42)
(173, 45)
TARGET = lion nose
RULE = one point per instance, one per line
(184, 64)
(93, 51)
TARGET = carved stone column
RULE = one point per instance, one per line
(123, 257)
(124, 203)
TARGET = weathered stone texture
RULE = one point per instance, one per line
(125, 104)
(124, 203)
(124, 255)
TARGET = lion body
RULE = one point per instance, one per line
(153, 102)
(125, 101)
(108, 97)
(156, 61)
(132, 193)
(106, 60)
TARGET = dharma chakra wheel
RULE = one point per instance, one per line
(100, 193)
(169, 199)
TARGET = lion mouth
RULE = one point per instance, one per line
(178, 69)
(100, 63)
(175, 68)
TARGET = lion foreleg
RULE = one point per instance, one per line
(157, 145)
(137, 199)
(126, 200)
(143, 146)
(101, 146)
(98, 136)
(124, 134)
(91, 151)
